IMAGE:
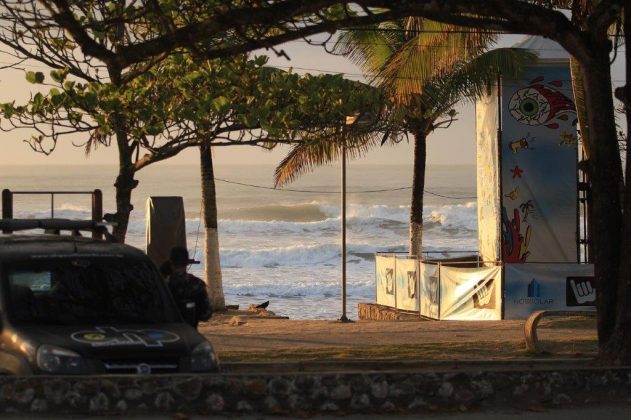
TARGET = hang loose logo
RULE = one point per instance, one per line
(580, 291)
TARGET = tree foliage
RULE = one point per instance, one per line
(122, 35)
(426, 67)
(181, 103)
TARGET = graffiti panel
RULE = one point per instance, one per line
(384, 271)
(407, 284)
(429, 290)
(538, 173)
(470, 293)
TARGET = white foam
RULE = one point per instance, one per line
(300, 255)
(454, 216)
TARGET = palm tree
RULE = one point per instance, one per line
(426, 68)
(212, 265)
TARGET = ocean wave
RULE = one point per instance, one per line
(300, 255)
(302, 217)
(302, 212)
(454, 216)
(64, 211)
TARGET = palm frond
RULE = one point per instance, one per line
(430, 49)
(305, 157)
(368, 49)
(471, 80)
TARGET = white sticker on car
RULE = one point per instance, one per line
(112, 336)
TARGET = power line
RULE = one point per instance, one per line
(446, 31)
(337, 192)
(428, 45)
(326, 71)
(279, 67)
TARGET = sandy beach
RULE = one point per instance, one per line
(252, 334)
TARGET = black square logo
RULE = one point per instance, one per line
(580, 291)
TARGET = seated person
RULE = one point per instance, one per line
(187, 288)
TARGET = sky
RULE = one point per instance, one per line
(455, 145)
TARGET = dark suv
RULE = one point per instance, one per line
(74, 305)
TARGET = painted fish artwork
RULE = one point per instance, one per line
(514, 244)
(542, 103)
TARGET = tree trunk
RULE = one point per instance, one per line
(605, 173)
(124, 184)
(125, 181)
(618, 348)
(212, 264)
(418, 187)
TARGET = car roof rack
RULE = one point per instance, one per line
(54, 225)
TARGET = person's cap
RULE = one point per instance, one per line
(179, 256)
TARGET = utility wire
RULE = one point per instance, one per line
(337, 192)
(444, 31)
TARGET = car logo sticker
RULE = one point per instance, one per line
(111, 336)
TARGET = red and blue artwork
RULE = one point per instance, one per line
(514, 242)
(542, 103)
(538, 167)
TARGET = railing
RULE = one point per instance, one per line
(427, 256)
(96, 196)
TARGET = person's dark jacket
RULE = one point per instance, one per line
(186, 287)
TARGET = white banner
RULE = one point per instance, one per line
(488, 183)
(429, 290)
(384, 272)
(470, 293)
(534, 287)
(407, 284)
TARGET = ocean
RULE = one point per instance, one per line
(280, 245)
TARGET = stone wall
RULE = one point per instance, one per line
(304, 394)
(374, 312)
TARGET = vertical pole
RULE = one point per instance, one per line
(97, 212)
(7, 206)
(52, 205)
(498, 250)
(344, 318)
(438, 291)
(417, 280)
(394, 281)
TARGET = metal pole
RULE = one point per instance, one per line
(344, 318)
(97, 212)
(7, 206)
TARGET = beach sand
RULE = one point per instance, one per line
(478, 339)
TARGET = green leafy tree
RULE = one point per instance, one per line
(256, 105)
(426, 67)
(181, 103)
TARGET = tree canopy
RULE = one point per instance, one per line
(122, 35)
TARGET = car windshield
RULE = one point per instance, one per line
(86, 291)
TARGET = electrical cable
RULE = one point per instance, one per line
(338, 192)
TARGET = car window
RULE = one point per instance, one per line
(36, 281)
(87, 291)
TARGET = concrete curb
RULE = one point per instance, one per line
(309, 393)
